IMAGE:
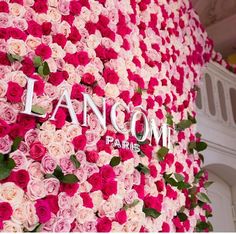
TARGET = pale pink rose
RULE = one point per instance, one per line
(48, 126)
(8, 114)
(5, 144)
(85, 215)
(120, 172)
(57, 51)
(55, 150)
(77, 106)
(64, 201)
(50, 90)
(128, 181)
(85, 187)
(130, 196)
(106, 209)
(18, 215)
(81, 174)
(35, 171)
(81, 157)
(46, 39)
(17, 76)
(136, 177)
(51, 186)
(68, 214)
(70, 47)
(3, 88)
(31, 136)
(104, 158)
(97, 199)
(116, 227)
(60, 64)
(32, 42)
(31, 216)
(92, 138)
(5, 20)
(64, 28)
(61, 225)
(52, 65)
(16, 47)
(19, 159)
(89, 226)
(48, 164)
(64, 7)
(59, 136)
(23, 147)
(67, 166)
(4, 69)
(48, 226)
(20, 24)
(16, 9)
(77, 201)
(111, 91)
(91, 168)
(46, 137)
(94, 123)
(10, 192)
(9, 226)
(36, 189)
(68, 149)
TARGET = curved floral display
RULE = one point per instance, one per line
(59, 176)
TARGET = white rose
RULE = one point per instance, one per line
(9, 226)
(111, 91)
(85, 215)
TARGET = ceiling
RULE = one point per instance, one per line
(219, 19)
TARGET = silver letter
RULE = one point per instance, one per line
(113, 117)
(29, 98)
(68, 105)
(102, 119)
(133, 124)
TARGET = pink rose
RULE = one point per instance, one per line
(48, 164)
(37, 151)
(5, 144)
(19, 159)
(36, 189)
(79, 142)
(67, 166)
(52, 186)
(43, 210)
(61, 225)
(8, 114)
(31, 136)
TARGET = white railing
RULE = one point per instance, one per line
(216, 114)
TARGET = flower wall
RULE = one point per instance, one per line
(59, 176)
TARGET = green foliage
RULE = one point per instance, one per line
(38, 110)
(115, 161)
(150, 212)
(162, 152)
(6, 166)
(14, 57)
(74, 160)
(135, 202)
(142, 169)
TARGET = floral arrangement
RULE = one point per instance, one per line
(217, 57)
(60, 177)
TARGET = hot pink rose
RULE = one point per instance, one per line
(110, 76)
(37, 151)
(43, 210)
(92, 156)
(107, 172)
(104, 225)
(14, 92)
(87, 200)
(109, 188)
(69, 189)
(4, 128)
(88, 78)
(21, 178)
(121, 216)
(5, 211)
(43, 51)
(79, 142)
(96, 181)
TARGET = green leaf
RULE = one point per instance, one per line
(37, 61)
(169, 118)
(183, 185)
(46, 70)
(143, 169)
(191, 146)
(199, 174)
(201, 157)
(202, 226)
(198, 135)
(192, 119)
(150, 212)
(40, 70)
(6, 166)
(16, 143)
(139, 90)
(183, 124)
(58, 173)
(74, 160)
(162, 152)
(208, 184)
(200, 146)
(69, 179)
(38, 110)
(115, 161)
(203, 197)
(14, 57)
(179, 177)
(133, 204)
(182, 216)
(172, 182)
